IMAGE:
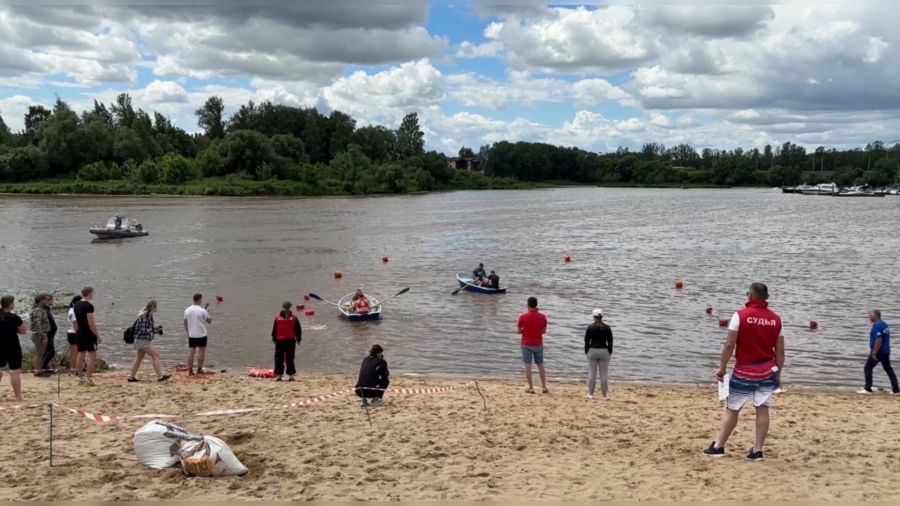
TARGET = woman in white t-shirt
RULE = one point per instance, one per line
(71, 336)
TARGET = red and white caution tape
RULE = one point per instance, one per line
(15, 407)
(318, 399)
(426, 390)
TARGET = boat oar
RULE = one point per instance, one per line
(314, 296)
(454, 292)
(401, 292)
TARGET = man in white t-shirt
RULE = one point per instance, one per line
(195, 319)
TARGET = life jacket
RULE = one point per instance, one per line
(362, 305)
(757, 336)
(284, 327)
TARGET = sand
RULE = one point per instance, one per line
(643, 444)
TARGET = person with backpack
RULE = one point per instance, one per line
(141, 334)
(286, 334)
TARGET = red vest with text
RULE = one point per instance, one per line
(284, 327)
(758, 333)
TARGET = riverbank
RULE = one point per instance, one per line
(240, 187)
(644, 444)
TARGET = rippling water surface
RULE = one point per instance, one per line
(824, 259)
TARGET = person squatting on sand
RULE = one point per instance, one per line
(43, 332)
(286, 334)
(755, 339)
(11, 326)
(195, 320)
(532, 324)
(88, 336)
(598, 348)
(879, 351)
(373, 377)
(144, 330)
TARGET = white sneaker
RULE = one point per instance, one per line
(376, 402)
(590, 396)
(605, 397)
(863, 391)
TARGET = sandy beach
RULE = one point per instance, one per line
(643, 444)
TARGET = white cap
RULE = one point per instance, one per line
(597, 312)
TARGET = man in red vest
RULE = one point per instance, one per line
(755, 334)
(286, 333)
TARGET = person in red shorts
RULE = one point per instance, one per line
(532, 324)
(755, 339)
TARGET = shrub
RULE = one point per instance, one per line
(176, 169)
(147, 172)
(100, 171)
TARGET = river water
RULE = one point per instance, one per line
(824, 259)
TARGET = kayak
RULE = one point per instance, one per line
(344, 306)
(465, 281)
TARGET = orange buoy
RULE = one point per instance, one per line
(338, 274)
(679, 284)
(300, 306)
(385, 259)
(723, 322)
(306, 297)
(309, 312)
(567, 259)
(813, 325)
(709, 310)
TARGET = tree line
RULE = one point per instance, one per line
(329, 154)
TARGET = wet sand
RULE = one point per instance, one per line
(643, 444)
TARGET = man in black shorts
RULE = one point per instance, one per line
(87, 334)
(10, 349)
(196, 318)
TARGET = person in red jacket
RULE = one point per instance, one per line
(755, 339)
(286, 334)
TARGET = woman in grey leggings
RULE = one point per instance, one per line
(598, 347)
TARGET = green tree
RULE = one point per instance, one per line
(340, 129)
(290, 147)
(209, 117)
(34, 118)
(57, 139)
(122, 111)
(246, 151)
(465, 152)
(376, 142)
(23, 164)
(410, 139)
(176, 169)
(4, 131)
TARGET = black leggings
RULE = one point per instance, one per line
(885, 359)
(284, 353)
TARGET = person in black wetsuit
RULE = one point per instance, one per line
(373, 377)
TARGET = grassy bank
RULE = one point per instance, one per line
(239, 187)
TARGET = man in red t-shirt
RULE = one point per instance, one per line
(532, 324)
(755, 339)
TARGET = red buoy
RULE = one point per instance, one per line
(679, 284)
(309, 312)
(723, 322)
(813, 325)
(567, 259)
(385, 259)
(300, 306)
(338, 274)
(306, 297)
(219, 298)
(709, 310)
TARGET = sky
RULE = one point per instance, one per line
(598, 76)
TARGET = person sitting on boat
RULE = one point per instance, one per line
(118, 222)
(360, 303)
(493, 281)
(478, 275)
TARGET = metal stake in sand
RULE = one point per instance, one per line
(51, 433)
(366, 408)
(58, 376)
(478, 389)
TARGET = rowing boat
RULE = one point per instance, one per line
(373, 314)
(466, 281)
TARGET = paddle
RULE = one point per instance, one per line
(401, 292)
(454, 292)
(314, 296)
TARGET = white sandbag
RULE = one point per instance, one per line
(209, 457)
(157, 444)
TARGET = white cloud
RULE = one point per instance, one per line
(164, 91)
(13, 110)
(600, 91)
(485, 50)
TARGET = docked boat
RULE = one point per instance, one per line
(120, 227)
(860, 191)
(373, 314)
(466, 283)
(822, 189)
(795, 189)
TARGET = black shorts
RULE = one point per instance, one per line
(87, 343)
(72, 339)
(11, 356)
(197, 342)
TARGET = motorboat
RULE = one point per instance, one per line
(120, 227)
(822, 189)
(860, 191)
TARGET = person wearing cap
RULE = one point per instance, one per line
(374, 377)
(286, 334)
(598, 348)
(43, 331)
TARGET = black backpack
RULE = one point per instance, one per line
(129, 334)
